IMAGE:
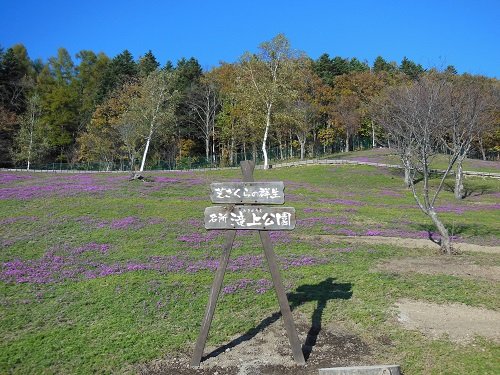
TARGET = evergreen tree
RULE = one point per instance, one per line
(324, 69)
(15, 71)
(169, 67)
(90, 73)
(189, 72)
(340, 66)
(147, 64)
(450, 69)
(62, 67)
(380, 65)
(120, 70)
(357, 66)
(410, 68)
(59, 104)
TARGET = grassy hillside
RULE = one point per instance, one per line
(389, 156)
(99, 274)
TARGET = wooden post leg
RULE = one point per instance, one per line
(212, 301)
(286, 313)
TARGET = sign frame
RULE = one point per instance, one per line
(247, 168)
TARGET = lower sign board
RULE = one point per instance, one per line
(250, 217)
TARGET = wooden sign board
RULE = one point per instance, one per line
(248, 192)
(250, 217)
(236, 215)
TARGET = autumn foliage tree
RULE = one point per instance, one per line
(268, 75)
(152, 109)
(271, 103)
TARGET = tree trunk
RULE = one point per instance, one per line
(264, 140)
(281, 148)
(207, 148)
(446, 247)
(231, 155)
(373, 135)
(313, 146)
(407, 176)
(146, 149)
(302, 150)
(213, 142)
(347, 142)
(459, 179)
(481, 147)
(29, 151)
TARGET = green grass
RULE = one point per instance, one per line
(110, 324)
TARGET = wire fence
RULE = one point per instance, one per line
(275, 154)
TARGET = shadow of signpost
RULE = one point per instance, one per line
(320, 293)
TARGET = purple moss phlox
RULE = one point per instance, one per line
(311, 210)
(69, 265)
(259, 286)
(6, 178)
(198, 238)
(278, 237)
(310, 222)
(362, 159)
(461, 209)
(345, 202)
(166, 180)
(92, 246)
(125, 223)
(155, 220)
(12, 220)
(60, 185)
(390, 193)
(301, 261)
(346, 232)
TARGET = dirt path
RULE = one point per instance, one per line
(460, 323)
(413, 243)
(438, 265)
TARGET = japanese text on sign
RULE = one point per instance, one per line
(250, 217)
(248, 192)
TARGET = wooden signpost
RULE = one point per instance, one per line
(245, 208)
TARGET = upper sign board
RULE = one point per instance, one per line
(247, 192)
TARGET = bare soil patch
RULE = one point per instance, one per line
(413, 243)
(268, 352)
(458, 322)
(455, 266)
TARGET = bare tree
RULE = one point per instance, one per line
(414, 117)
(204, 102)
(468, 101)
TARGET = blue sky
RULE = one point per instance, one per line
(436, 33)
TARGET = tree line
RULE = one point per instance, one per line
(137, 112)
